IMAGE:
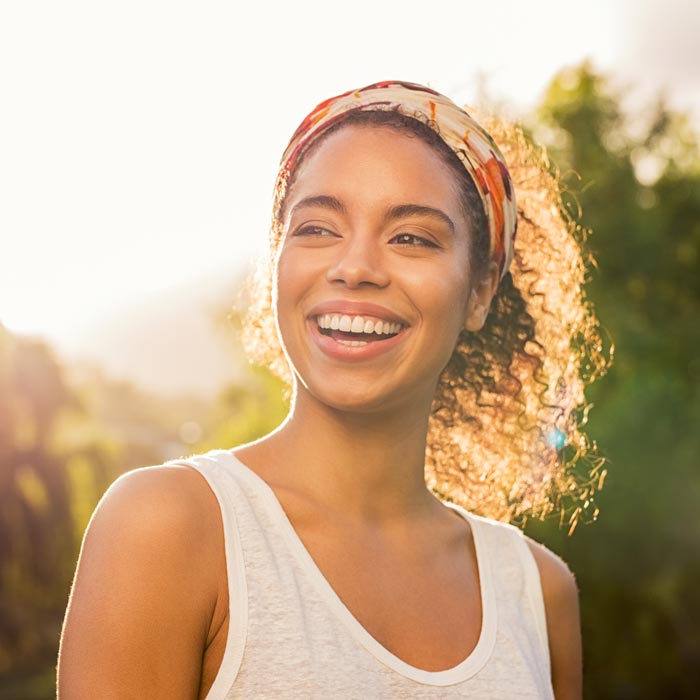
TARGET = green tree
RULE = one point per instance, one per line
(37, 534)
(65, 434)
(635, 177)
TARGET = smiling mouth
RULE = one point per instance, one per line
(357, 330)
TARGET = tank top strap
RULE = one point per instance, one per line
(516, 580)
(219, 467)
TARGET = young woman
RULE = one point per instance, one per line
(421, 338)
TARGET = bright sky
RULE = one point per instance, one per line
(139, 139)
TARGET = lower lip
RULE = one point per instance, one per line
(338, 351)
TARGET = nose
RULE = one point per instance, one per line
(358, 264)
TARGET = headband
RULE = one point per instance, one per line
(477, 151)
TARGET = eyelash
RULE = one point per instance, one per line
(313, 231)
(416, 241)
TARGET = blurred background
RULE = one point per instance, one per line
(138, 147)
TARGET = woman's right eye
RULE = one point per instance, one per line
(314, 231)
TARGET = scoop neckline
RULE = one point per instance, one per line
(450, 676)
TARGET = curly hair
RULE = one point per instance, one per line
(506, 437)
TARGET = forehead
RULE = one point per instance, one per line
(372, 162)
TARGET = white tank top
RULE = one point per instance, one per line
(290, 635)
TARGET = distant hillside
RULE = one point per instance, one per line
(174, 342)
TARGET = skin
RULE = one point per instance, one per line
(148, 611)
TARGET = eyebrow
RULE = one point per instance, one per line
(400, 211)
(320, 200)
(403, 210)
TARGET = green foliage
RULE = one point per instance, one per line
(40, 530)
(636, 179)
(66, 434)
(249, 410)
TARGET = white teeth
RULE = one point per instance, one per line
(352, 343)
(357, 324)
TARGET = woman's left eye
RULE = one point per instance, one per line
(412, 239)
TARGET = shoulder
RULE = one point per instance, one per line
(146, 588)
(558, 581)
(160, 504)
(163, 492)
(157, 522)
(560, 594)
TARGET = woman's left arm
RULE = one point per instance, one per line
(563, 622)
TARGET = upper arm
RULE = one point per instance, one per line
(144, 591)
(560, 594)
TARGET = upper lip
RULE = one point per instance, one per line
(356, 308)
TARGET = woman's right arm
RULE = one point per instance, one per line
(144, 592)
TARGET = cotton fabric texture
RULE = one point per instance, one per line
(473, 145)
(290, 635)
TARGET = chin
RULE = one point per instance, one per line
(361, 397)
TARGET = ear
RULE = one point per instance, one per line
(480, 297)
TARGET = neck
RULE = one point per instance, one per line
(367, 465)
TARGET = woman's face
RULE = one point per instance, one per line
(372, 282)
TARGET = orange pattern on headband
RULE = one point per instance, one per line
(478, 152)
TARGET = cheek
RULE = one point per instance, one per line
(461, 284)
(292, 279)
(447, 294)
(282, 288)
(287, 273)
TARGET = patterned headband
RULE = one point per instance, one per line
(476, 149)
